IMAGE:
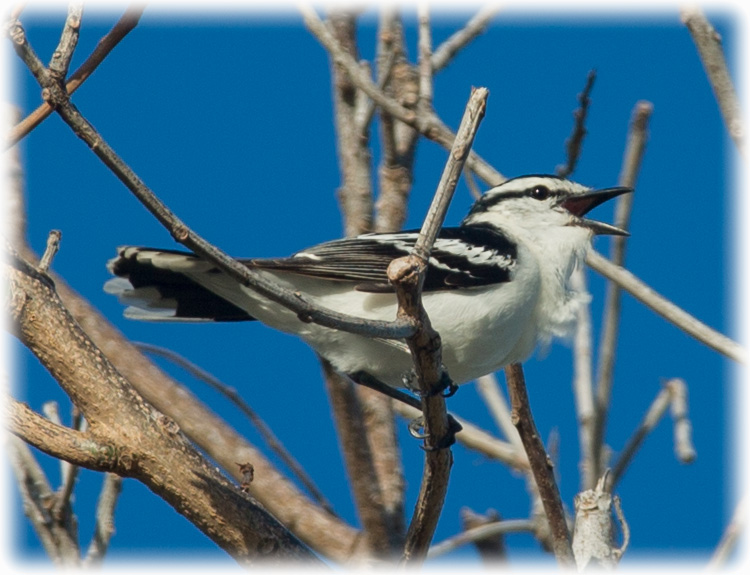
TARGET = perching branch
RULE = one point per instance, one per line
(407, 276)
(541, 465)
(294, 301)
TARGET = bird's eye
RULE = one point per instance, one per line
(540, 193)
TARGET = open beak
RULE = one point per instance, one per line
(581, 205)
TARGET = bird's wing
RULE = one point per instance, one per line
(461, 257)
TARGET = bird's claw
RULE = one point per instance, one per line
(415, 425)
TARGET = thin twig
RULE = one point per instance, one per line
(231, 393)
(708, 42)
(37, 496)
(127, 22)
(729, 538)
(444, 53)
(479, 533)
(306, 311)
(683, 430)
(492, 550)
(541, 465)
(407, 276)
(574, 143)
(666, 308)
(53, 245)
(636, 145)
(62, 56)
(673, 390)
(425, 53)
(104, 528)
(489, 390)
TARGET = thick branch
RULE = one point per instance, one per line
(139, 442)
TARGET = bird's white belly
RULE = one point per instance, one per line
(481, 328)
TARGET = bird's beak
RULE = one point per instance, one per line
(581, 205)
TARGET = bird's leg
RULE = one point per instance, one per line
(445, 387)
(364, 378)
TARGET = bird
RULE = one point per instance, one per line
(496, 286)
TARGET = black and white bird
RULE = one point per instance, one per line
(495, 287)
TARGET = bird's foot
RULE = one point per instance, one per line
(416, 430)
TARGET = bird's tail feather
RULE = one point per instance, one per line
(155, 285)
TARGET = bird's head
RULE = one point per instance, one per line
(540, 202)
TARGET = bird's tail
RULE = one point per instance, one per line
(158, 285)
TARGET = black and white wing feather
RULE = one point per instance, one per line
(462, 257)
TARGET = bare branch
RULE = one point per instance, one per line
(407, 276)
(104, 527)
(53, 245)
(673, 391)
(294, 301)
(492, 549)
(425, 53)
(368, 496)
(637, 138)
(708, 42)
(541, 465)
(593, 536)
(482, 532)
(37, 496)
(729, 538)
(60, 61)
(683, 430)
(444, 53)
(127, 22)
(398, 140)
(574, 143)
(430, 126)
(266, 432)
(583, 386)
(179, 474)
(666, 308)
(489, 390)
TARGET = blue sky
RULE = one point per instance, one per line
(228, 118)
